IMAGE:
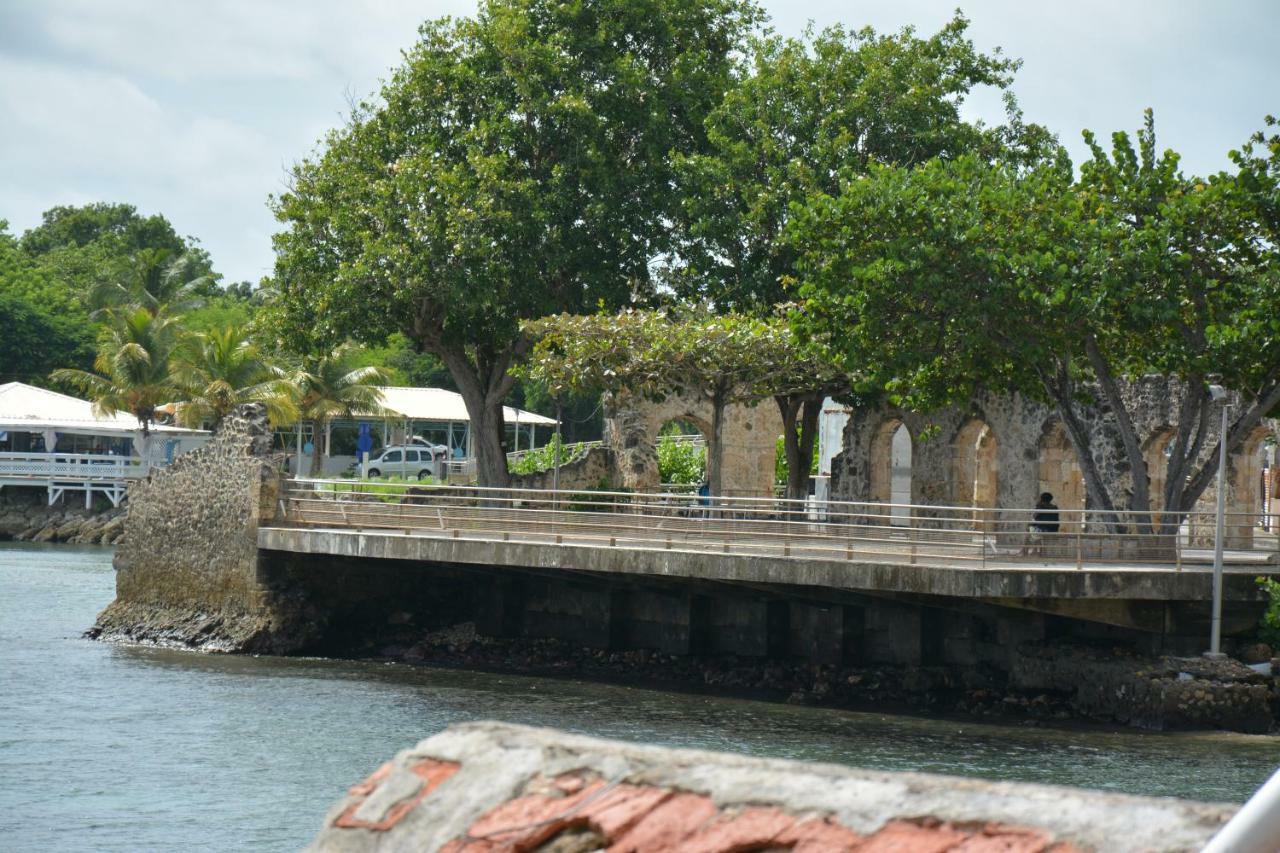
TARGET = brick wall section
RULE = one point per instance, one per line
(493, 787)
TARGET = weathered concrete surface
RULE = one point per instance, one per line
(489, 787)
(1002, 583)
(187, 570)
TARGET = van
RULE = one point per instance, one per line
(410, 461)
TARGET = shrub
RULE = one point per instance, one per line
(681, 462)
(1269, 624)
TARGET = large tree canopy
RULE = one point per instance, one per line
(516, 165)
(805, 114)
(940, 279)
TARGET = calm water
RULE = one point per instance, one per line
(125, 749)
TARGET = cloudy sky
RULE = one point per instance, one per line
(194, 109)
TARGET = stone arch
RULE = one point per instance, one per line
(687, 421)
(1058, 472)
(891, 452)
(750, 440)
(975, 478)
(1246, 490)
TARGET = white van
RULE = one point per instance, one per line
(409, 461)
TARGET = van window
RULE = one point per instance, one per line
(411, 456)
(391, 456)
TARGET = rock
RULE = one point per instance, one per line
(1256, 653)
(490, 786)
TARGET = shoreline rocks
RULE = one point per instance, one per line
(1050, 684)
(25, 517)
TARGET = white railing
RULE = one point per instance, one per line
(938, 535)
(73, 466)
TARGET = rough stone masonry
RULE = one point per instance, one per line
(187, 569)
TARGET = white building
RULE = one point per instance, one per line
(434, 414)
(56, 442)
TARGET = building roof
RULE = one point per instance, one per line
(27, 408)
(437, 404)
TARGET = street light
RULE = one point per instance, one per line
(1219, 395)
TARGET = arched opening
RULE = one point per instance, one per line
(974, 474)
(890, 469)
(1248, 486)
(1059, 474)
(682, 453)
(1156, 454)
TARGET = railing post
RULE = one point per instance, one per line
(1080, 543)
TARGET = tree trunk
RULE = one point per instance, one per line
(799, 438)
(316, 464)
(1140, 496)
(715, 445)
(484, 384)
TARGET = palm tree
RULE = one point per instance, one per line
(157, 280)
(223, 368)
(329, 386)
(134, 367)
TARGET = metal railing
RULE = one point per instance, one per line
(834, 530)
(72, 466)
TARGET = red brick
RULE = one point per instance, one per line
(748, 829)
(623, 807)
(995, 838)
(903, 837)
(433, 774)
(819, 835)
(667, 825)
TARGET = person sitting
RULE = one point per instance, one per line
(1045, 520)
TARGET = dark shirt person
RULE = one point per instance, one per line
(1046, 519)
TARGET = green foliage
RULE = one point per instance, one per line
(331, 385)
(222, 369)
(938, 280)
(806, 115)
(517, 164)
(544, 458)
(135, 370)
(1269, 624)
(34, 342)
(681, 462)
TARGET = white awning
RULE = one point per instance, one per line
(437, 404)
(26, 408)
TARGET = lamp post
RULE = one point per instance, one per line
(1218, 394)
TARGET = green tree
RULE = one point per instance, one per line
(328, 386)
(35, 342)
(516, 165)
(724, 359)
(938, 280)
(221, 369)
(135, 368)
(803, 116)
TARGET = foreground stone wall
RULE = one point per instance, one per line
(187, 569)
(750, 436)
(484, 787)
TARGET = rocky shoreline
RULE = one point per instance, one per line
(25, 517)
(1050, 684)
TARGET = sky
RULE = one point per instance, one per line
(196, 109)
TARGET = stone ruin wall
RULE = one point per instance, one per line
(187, 568)
(750, 435)
(1026, 451)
